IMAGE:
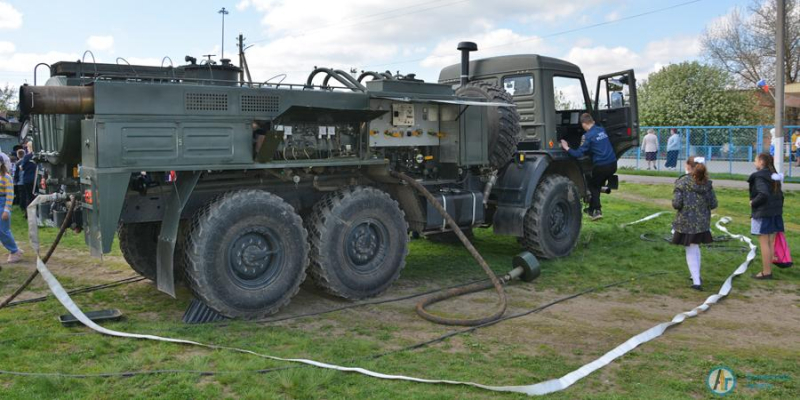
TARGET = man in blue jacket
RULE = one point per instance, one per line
(604, 161)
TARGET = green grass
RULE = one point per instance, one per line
(675, 174)
(522, 351)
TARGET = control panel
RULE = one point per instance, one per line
(405, 125)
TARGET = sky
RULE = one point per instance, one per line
(410, 36)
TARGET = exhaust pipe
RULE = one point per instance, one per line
(56, 99)
(465, 48)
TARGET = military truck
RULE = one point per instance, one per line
(241, 189)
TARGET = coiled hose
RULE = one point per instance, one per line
(46, 257)
(494, 281)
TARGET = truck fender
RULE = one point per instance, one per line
(515, 188)
(514, 194)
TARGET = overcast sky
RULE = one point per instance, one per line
(407, 35)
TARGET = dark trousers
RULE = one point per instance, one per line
(672, 159)
(25, 197)
(600, 174)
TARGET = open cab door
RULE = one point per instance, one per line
(616, 110)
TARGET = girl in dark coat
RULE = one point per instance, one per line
(694, 198)
(766, 205)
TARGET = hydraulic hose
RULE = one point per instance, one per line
(495, 282)
(64, 226)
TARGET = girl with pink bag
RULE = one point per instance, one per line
(766, 205)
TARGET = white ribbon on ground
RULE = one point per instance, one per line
(541, 388)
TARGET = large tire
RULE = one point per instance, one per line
(359, 242)
(450, 237)
(138, 243)
(246, 254)
(552, 224)
(503, 124)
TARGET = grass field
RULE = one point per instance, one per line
(753, 332)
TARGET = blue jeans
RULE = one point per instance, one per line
(5, 235)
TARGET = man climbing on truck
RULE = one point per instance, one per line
(604, 162)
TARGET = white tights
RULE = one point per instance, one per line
(693, 259)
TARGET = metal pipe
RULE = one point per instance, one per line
(466, 48)
(780, 36)
(56, 99)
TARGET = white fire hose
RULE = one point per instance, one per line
(540, 388)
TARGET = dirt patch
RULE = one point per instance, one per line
(642, 199)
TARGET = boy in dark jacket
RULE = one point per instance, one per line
(766, 209)
(694, 198)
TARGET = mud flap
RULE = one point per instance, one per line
(102, 208)
(181, 190)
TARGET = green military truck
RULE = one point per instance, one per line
(243, 189)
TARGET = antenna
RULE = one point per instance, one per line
(224, 12)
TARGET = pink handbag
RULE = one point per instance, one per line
(782, 257)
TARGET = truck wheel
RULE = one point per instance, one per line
(553, 222)
(138, 243)
(246, 254)
(449, 237)
(359, 242)
(503, 124)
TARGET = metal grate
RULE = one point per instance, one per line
(251, 103)
(206, 102)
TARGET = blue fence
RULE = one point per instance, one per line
(727, 149)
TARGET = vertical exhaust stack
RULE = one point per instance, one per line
(465, 48)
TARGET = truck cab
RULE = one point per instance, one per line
(550, 94)
(537, 196)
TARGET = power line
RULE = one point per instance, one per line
(564, 32)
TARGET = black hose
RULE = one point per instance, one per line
(495, 281)
(344, 75)
(46, 257)
(126, 374)
(373, 74)
(357, 87)
(86, 289)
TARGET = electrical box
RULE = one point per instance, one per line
(406, 125)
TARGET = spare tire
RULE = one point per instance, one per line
(503, 124)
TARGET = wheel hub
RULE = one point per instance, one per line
(365, 244)
(254, 257)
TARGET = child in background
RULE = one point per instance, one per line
(694, 198)
(766, 205)
(7, 200)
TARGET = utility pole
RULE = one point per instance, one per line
(243, 62)
(224, 12)
(241, 58)
(780, 83)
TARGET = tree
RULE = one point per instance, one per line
(562, 102)
(691, 93)
(744, 45)
(7, 96)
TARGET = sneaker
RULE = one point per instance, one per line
(597, 214)
(697, 287)
(15, 257)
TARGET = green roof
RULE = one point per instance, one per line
(507, 64)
